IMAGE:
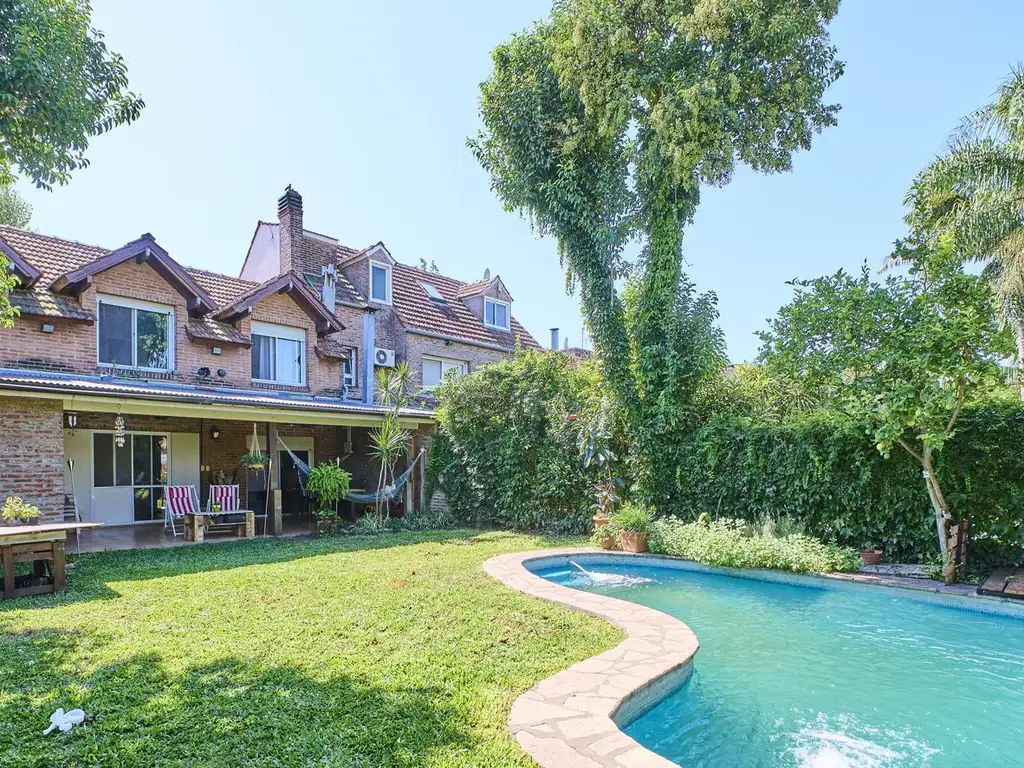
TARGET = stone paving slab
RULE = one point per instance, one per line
(572, 719)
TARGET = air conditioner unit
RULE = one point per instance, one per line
(384, 357)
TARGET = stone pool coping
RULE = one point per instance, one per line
(573, 719)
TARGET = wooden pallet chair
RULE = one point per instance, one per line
(227, 498)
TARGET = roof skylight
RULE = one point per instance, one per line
(432, 292)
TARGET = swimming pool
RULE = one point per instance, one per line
(824, 675)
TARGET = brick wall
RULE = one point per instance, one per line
(72, 347)
(389, 332)
(420, 346)
(32, 454)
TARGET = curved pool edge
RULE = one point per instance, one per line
(573, 718)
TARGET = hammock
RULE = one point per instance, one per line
(389, 492)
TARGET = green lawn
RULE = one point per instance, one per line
(396, 650)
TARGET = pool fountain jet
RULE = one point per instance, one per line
(609, 579)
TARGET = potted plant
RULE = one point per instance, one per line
(606, 536)
(871, 555)
(594, 446)
(17, 511)
(255, 459)
(328, 483)
(633, 523)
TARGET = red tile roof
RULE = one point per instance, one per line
(211, 330)
(52, 256)
(451, 317)
(224, 289)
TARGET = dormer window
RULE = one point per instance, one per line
(380, 282)
(134, 334)
(496, 314)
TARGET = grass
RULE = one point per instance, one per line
(389, 651)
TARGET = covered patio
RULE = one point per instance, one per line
(120, 444)
(112, 538)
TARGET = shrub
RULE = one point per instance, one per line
(737, 544)
(17, 510)
(505, 454)
(633, 518)
(328, 482)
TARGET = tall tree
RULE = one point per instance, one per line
(603, 123)
(59, 87)
(14, 210)
(975, 193)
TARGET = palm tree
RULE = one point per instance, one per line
(975, 194)
(390, 441)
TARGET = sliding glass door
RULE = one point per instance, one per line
(129, 481)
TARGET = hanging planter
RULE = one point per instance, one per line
(254, 458)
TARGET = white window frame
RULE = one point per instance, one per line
(387, 281)
(285, 333)
(443, 361)
(146, 306)
(508, 313)
(353, 358)
(133, 486)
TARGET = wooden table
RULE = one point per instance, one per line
(195, 524)
(41, 545)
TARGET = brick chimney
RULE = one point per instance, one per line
(289, 214)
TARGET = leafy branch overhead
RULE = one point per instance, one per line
(602, 123)
(59, 87)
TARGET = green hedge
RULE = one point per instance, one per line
(825, 474)
(505, 454)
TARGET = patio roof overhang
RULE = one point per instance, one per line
(148, 398)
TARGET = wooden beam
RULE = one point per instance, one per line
(274, 518)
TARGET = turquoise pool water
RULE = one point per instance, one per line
(805, 676)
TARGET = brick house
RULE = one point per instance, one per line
(146, 373)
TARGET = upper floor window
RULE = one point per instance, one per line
(496, 314)
(348, 369)
(135, 334)
(436, 368)
(380, 282)
(278, 354)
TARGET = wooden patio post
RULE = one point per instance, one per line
(274, 519)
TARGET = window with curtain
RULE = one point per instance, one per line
(436, 368)
(133, 334)
(278, 354)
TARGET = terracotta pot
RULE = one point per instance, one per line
(871, 556)
(608, 542)
(633, 542)
(600, 520)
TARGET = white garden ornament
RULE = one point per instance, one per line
(65, 721)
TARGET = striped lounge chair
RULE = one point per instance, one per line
(181, 500)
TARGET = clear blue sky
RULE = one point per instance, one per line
(365, 107)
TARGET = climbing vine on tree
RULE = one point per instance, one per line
(602, 124)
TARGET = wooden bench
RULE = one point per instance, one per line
(196, 523)
(41, 545)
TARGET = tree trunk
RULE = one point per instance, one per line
(1019, 324)
(939, 504)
